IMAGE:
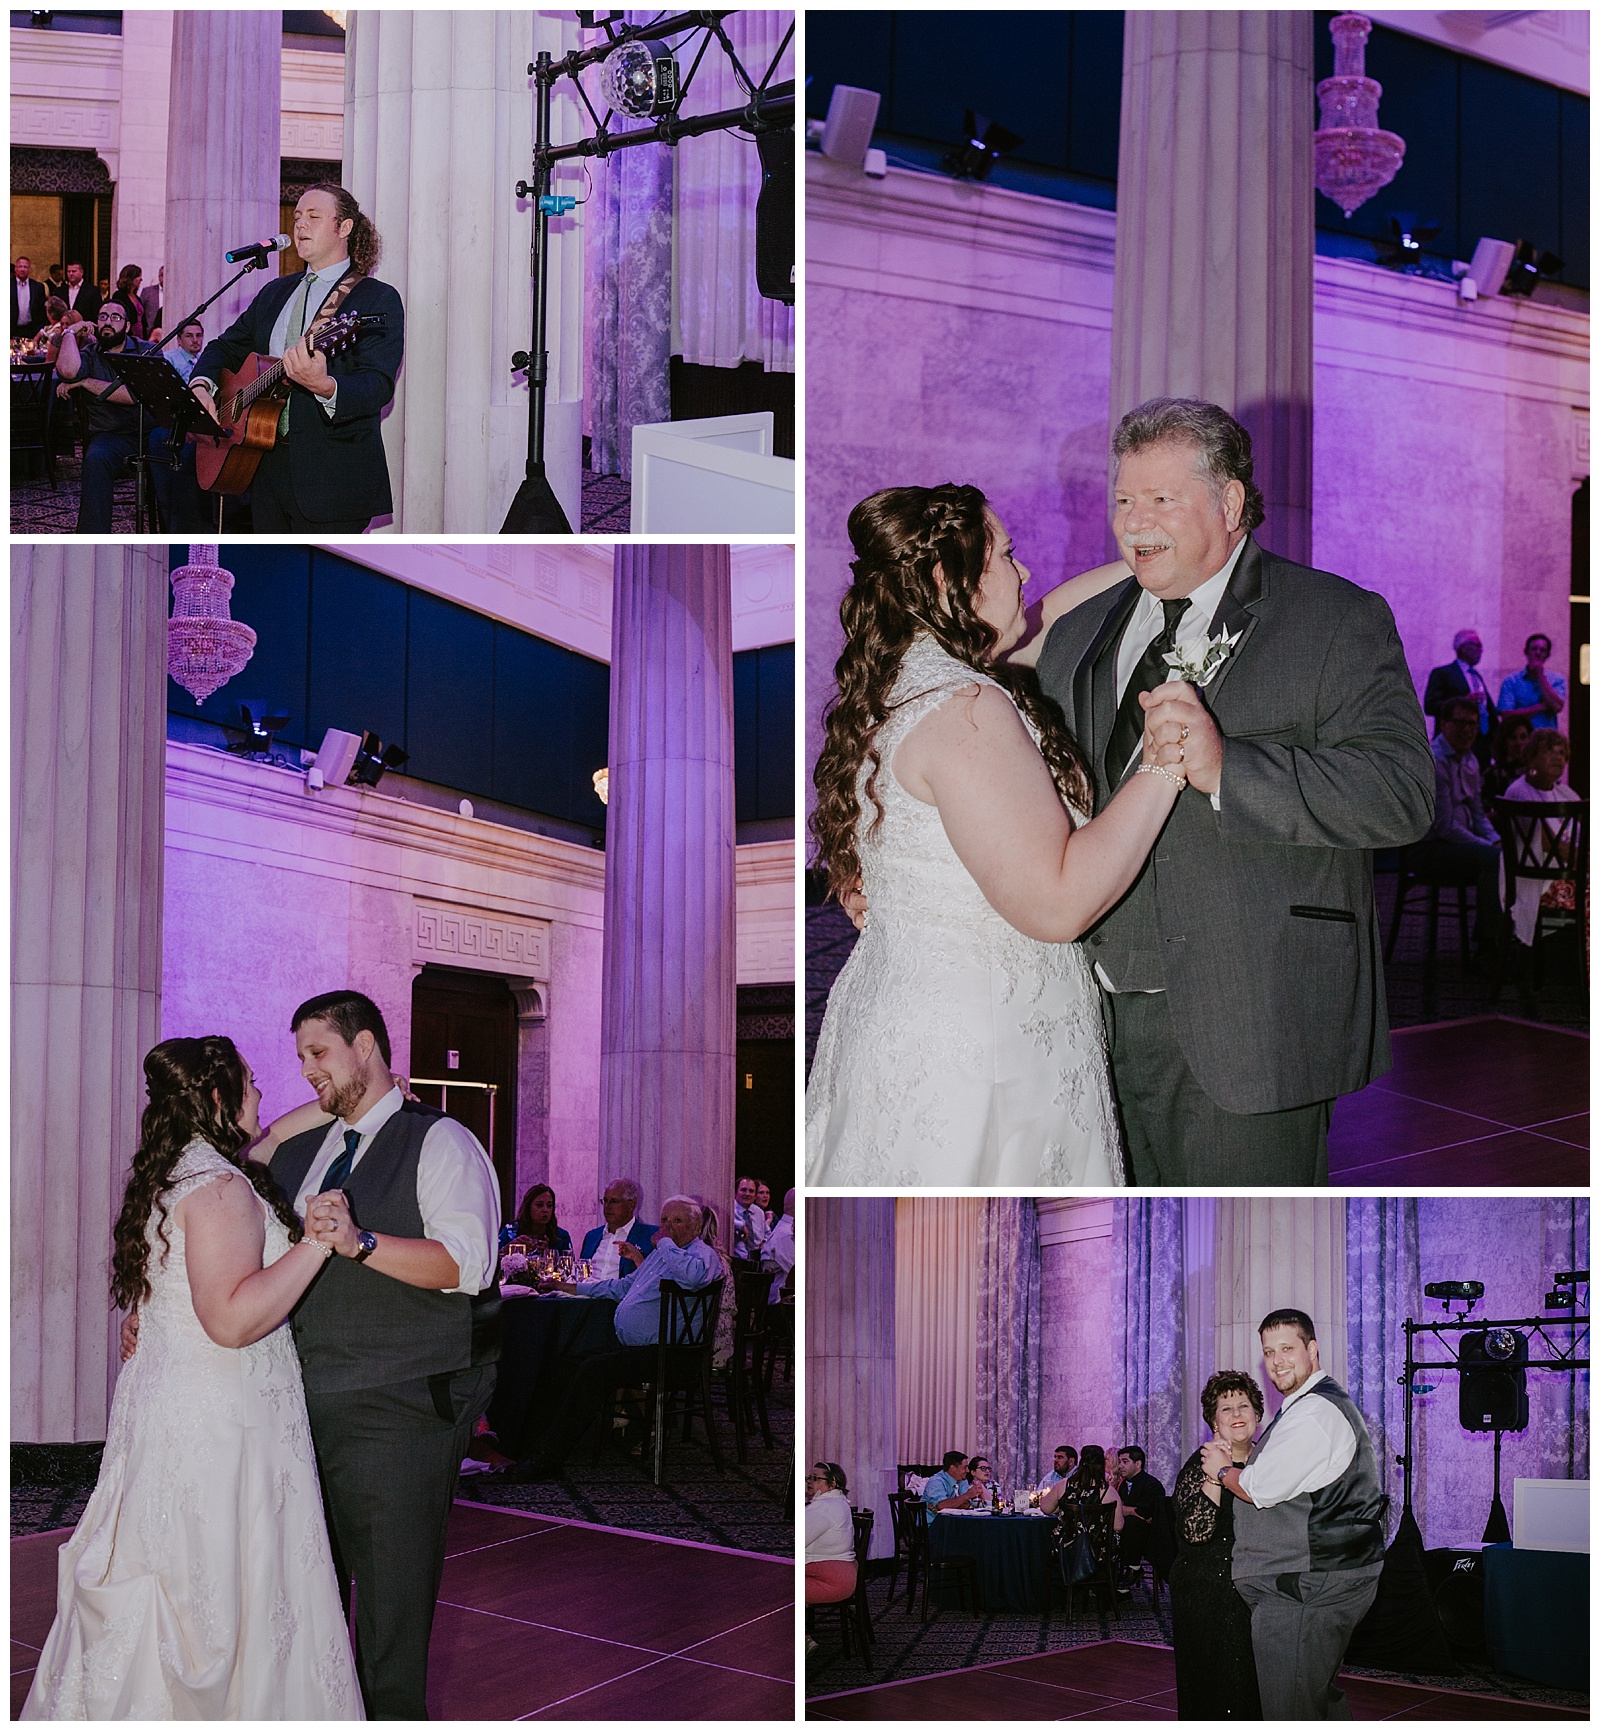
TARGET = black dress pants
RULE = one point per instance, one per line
(389, 1459)
(274, 509)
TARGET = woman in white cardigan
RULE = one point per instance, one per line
(830, 1536)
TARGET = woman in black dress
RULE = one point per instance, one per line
(1210, 1622)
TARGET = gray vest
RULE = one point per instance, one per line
(357, 1328)
(1337, 1527)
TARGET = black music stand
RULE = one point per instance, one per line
(163, 394)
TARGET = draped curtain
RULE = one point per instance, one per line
(1148, 1275)
(1383, 1286)
(719, 319)
(1010, 1336)
(1559, 1404)
(937, 1251)
(850, 1348)
(628, 288)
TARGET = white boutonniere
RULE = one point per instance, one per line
(1200, 662)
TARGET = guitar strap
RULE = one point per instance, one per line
(336, 299)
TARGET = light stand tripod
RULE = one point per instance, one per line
(770, 108)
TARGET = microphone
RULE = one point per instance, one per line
(276, 244)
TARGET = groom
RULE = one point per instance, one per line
(1240, 974)
(396, 1335)
(1308, 1526)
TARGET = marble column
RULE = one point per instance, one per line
(667, 1005)
(223, 138)
(1215, 250)
(438, 131)
(138, 162)
(850, 1332)
(88, 731)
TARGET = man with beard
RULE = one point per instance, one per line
(113, 417)
(1308, 1526)
(397, 1335)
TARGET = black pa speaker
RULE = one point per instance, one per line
(775, 217)
(1494, 1380)
(1455, 1578)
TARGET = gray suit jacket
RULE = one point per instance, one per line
(1258, 919)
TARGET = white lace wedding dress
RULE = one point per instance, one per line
(954, 1051)
(199, 1584)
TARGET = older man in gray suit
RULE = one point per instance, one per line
(1241, 974)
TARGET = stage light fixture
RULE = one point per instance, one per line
(985, 141)
(641, 79)
(373, 759)
(261, 727)
(1563, 1295)
(1527, 266)
(1407, 238)
(1466, 1292)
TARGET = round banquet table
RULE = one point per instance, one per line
(535, 1332)
(1013, 1556)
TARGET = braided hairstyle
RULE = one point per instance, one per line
(197, 1089)
(920, 558)
(365, 246)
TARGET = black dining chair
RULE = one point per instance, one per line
(1099, 1530)
(685, 1340)
(33, 401)
(855, 1619)
(1540, 845)
(744, 1383)
(938, 1572)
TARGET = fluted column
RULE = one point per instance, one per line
(438, 131)
(667, 1006)
(850, 1372)
(1274, 1252)
(88, 731)
(1215, 238)
(224, 131)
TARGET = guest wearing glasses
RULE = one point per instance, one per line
(830, 1536)
(624, 1241)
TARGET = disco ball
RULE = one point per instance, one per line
(642, 79)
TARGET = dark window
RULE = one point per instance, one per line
(763, 739)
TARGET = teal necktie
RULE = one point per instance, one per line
(339, 1171)
(297, 329)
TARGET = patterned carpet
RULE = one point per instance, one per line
(37, 509)
(741, 1508)
(955, 1640)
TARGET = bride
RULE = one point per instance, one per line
(963, 1042)
(199, 1584)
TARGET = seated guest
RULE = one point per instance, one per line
(950, 1488)
(536, 1221)
(1511, 739)
(1062, 1466)
(1141, 1497)
(177, 486)
(830, 1536)
(624, 1241)
(722, 1346)
(749, 1223)
(112, 418)
(778, 1251)
(1462, 846)
(1545, 780)
(1533, 693)
(764, 1203)
(680, 1255)
(1082, 1494)
(982, 1476)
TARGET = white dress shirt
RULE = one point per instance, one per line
(778, 1253)
(607, 1258)
(457, 1194)
(753, 1220)
(1310, 1445)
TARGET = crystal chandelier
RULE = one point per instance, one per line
(1354, 157)
(205, 646)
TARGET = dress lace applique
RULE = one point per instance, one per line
(955, 1050)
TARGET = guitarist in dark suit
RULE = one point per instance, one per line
(327, 472)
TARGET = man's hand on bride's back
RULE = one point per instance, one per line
(130, 1335)
(855, 904)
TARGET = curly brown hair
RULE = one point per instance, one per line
(365, 247)
(197, 1089)
(920, 558)
(1229, 1382)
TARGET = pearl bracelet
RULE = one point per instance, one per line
(317, 1244)
(1177, 779)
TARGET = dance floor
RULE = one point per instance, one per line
(1486, 1100)
(1125, 1680)
(549, 1619)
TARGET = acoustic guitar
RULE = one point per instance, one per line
(249, 403)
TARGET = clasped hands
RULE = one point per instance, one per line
(1180, 734)
(329, 1222)
(1215, 1459)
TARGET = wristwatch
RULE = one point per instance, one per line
(368, 1242)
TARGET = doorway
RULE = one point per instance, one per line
(463, 1040)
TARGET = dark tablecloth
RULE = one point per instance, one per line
(1536, 1614)
(1012, 1557)
(534, 1333)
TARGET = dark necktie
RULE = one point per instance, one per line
(340, 1169)
(1149, 672)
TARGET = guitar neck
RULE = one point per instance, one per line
(267, 381)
